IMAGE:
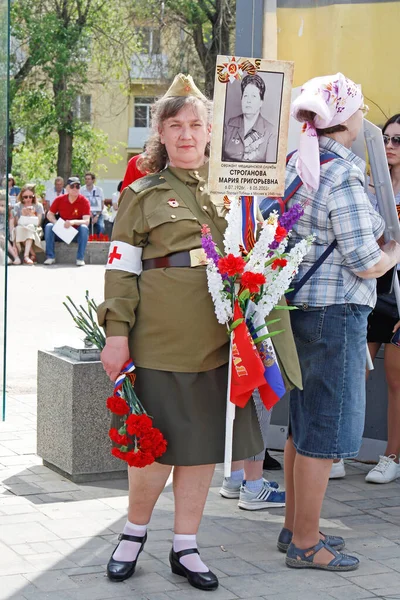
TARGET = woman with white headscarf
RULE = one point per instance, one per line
(330, 325)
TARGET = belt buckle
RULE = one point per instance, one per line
(198, 257)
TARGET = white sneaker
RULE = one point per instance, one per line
(80, 263)
(337, 470)
(267, 497)
(49, 261)
(385, 471)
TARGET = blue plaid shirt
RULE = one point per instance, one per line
(340, 209)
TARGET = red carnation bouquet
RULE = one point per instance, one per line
(136, 441)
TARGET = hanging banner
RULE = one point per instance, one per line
(250, 126)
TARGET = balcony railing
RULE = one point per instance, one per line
(149, 67)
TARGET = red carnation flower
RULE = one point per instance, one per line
(231, 265)
(252, 281)
(139, 459)
(279, 262)
(118, 453)
(117, 437)
(138, 424)
(153, 441)
(280, 233)
(117, 405)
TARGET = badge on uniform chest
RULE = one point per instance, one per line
(172, 202)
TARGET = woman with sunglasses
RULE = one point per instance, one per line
(381, 326)
(28, 215)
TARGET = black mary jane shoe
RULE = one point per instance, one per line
(118, 570)
(202, 581)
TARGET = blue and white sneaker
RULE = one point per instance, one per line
(267, 497)
(231, 489)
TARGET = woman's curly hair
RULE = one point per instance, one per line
(155, 158)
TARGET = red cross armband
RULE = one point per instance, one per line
(124, 257)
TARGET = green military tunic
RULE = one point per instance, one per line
(179, 348)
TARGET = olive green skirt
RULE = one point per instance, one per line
(189, 409)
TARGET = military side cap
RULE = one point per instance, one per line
(183, 85)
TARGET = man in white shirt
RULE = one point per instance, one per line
(57, 190)
(95, 195)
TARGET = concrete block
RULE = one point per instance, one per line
(96, 253)
(72, 418)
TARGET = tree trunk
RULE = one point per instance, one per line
(64, 156)
(220, 43)
(65, 130)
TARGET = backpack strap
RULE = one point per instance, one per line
(290, 295)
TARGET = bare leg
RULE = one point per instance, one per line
(289, 459)
(392, 370)
(253, 470)
(145, 486)
(311, 477)
(237, 465)
(28, 246)
(191, 485)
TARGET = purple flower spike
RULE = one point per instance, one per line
(290, 218)
(209, 248)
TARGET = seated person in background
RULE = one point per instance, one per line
(75, 210)
(95, 195)
(13, 190)
(27, 232)
(52, 194)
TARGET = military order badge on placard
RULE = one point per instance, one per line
(250, 127)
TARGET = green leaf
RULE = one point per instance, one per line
(267, 336)
(235, 324)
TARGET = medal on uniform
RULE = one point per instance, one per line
(172, 202)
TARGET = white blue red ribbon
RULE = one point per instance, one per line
(127, 368)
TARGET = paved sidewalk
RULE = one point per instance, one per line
(57, 536)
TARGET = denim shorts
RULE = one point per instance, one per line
(326, 418)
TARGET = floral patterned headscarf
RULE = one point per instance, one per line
(333, 98)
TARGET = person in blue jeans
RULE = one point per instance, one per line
(326, 417)
(74, 209)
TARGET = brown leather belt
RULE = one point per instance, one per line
(177, 259)
(194, 258)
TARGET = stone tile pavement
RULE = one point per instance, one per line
(56, 536)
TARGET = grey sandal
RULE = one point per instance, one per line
(304, 559)
(285, 537)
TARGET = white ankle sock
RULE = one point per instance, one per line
(192, 562)
(128, 551)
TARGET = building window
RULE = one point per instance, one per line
(142, 116)
(150, 40)
(83, 108)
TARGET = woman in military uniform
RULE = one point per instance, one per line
(158, 311)
(249, 137)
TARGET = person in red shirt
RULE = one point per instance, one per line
(132, 171)
(74, 209)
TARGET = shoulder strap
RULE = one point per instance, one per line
(190, 200)
(146, 182)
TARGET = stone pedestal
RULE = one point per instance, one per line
(72, 418)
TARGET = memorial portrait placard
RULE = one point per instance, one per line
(250, 126)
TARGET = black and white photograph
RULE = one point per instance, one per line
(250, 126)
(252, 115)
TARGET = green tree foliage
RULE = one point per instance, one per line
(60, 47)
(210, 25)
